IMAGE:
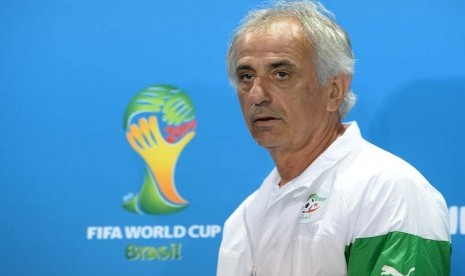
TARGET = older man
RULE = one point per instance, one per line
(334, 204)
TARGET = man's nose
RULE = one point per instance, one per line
(258, 93)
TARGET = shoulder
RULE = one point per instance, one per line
(372, 169)
(234, 233)
(235, 222)
(385, 193)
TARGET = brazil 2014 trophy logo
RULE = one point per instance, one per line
(159, 123)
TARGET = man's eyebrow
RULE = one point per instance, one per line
(243, 67)
(280, 63)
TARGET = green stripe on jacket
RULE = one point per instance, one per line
(398, 254)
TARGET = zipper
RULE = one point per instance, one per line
(253, 271)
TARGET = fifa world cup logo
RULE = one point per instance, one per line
(159, 123)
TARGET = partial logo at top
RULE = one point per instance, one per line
(310, 208)
(159, 123)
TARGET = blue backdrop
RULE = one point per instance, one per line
(69, 69)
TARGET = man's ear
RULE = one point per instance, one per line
(338, 85)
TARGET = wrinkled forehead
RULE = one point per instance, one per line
(275, 29)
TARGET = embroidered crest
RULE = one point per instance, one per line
(310, 208)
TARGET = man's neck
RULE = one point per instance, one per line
(291, 164)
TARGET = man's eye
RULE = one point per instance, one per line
(282, 75)
(245, 77)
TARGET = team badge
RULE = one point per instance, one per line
(310, 210)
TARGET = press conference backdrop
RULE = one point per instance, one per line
(88, 86)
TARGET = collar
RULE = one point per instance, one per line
(255, 211)
(340, 148)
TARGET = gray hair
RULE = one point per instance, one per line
(331, 44)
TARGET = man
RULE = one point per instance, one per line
(334, 204)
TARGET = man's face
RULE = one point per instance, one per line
(282, 102)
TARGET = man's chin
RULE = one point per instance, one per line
(266, 142)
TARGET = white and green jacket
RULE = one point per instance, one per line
(357, 210)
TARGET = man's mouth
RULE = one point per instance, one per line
(263, 120)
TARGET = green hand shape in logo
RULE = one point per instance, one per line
(159, 146)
